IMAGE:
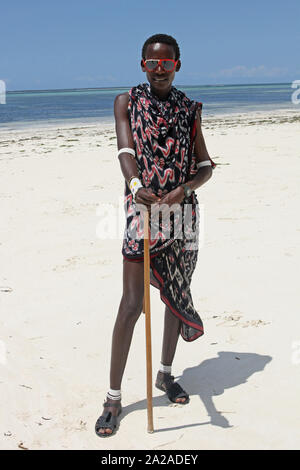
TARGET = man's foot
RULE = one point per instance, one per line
(106, 424)
(175, 392)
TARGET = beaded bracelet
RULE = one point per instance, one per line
(134, 185)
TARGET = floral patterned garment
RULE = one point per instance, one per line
(163, 133)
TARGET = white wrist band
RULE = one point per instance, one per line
(204, 163)
(165, 369)
(135, 185)
(126, 150)
(114, 394)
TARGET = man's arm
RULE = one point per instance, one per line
(125, 139)
(203, 175)
(205, 172)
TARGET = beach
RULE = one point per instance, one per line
(61, 284)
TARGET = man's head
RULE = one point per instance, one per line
(160, 46)
(162, 39)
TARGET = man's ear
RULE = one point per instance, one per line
(178, 66)
(142, 65)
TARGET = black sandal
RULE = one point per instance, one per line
(172, 389)
(108, 421)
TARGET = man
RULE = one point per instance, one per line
(159, 156)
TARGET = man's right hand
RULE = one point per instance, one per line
(146, 196)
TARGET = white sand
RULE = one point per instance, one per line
(60, 288)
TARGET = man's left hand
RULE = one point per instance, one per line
(175, 196)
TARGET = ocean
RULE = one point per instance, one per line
(48, 107)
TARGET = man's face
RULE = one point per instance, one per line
(159, 79)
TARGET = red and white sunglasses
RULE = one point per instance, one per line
(167, 64)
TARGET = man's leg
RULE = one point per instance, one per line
(170, 338)
(129, 311)
(171, 334)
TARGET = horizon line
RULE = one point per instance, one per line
(128, 87)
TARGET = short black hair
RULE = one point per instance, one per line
(163, 39)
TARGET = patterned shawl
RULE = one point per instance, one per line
(163, 133)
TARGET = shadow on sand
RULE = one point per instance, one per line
(210, 378)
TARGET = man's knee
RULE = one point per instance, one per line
(130, 308)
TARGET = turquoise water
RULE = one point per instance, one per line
(94, 104)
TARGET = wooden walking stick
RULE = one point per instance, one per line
(146, 309)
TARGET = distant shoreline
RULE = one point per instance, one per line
(230, 119)
(96, 105)
(129, 86)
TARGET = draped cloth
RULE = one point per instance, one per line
(164, 133)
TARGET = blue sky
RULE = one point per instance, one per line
(74, 44)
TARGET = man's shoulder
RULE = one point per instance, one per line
(121, 102)
(181, 95)
(122, 98)
(187, 102)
